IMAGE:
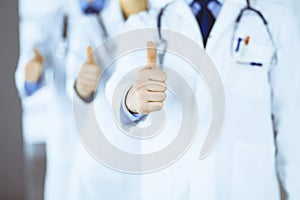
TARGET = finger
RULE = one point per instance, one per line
(90, 56)
(156, 96)
(154, 106)
(37, 54)
(157, 75)
(32, 73)
(33, 77)
(89, 68)
(89, 77)
(33, 64)
(87, 83)
(153, 86)
(151, 55)
(87, 88)
(147, 74)
(33, 69)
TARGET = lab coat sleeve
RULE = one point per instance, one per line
(285, 83)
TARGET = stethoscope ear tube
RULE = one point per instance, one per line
(102, 26)
(162, 44)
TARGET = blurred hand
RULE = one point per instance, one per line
(87, 80)
(130, 7)
(34, 67)
(149, 91)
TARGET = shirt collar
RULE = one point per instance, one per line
(220, 1)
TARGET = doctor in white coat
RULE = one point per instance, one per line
(40, 80)
(258, 150)
(89, 179)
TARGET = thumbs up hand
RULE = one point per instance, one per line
(87, 80)
(34, 67)
(149, 91)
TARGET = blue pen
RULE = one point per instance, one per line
(238, 44)
(255, 64)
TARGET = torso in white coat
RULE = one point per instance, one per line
(244, 164)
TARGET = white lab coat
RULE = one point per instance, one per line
(47, 112)
(253, 152)
(90, 179)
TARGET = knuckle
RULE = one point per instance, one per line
(159, 105)
(141, 73)
(82, 70)
(142, 109)
(145, 110)
(97, 69)
(164, 76)
(139, 95)
(94, 79)
(80, 79)
(139, 82)
(164, 95)
(164, 88)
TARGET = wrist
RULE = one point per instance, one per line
(32, 86)
(32, 80)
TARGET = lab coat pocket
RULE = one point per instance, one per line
(254, 55)
(248, 80)
(254, 173)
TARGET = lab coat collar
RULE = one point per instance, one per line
(225, 21)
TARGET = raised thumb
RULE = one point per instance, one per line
(151, 54)
(90, 55)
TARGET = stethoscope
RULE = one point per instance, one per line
(162, 44)
(95, 7)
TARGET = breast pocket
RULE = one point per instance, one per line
(249, 72)
(246, 53)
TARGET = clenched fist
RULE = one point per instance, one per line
(149, 91)
(34, 67)
(130, 7)
(87, 80)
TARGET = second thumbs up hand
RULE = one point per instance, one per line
(87, 80)
(149, 90)
(34, 67)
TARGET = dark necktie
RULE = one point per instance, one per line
(205, 18)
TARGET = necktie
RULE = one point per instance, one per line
(204, 17)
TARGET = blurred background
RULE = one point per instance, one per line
(23, 153)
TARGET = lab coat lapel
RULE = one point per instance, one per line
(224, 23)
(183, 20)
(189, 25)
